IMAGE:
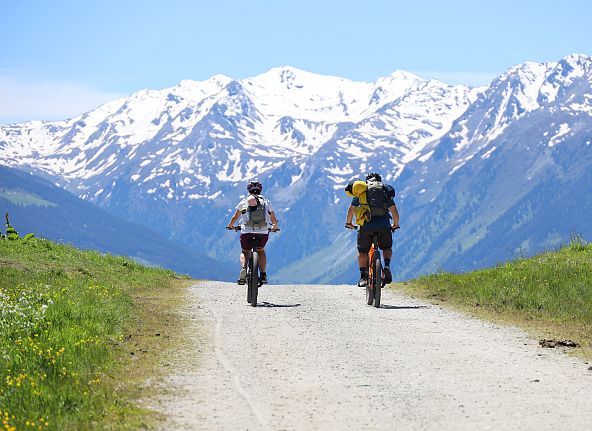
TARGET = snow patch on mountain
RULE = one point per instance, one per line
(563, 130)
(168, 156)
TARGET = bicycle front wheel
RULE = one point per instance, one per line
(254, 279)
(377, 280)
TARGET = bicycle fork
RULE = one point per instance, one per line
(370, 265)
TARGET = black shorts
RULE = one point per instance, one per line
(385, 240)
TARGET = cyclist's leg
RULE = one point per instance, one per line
(245, 241)
(262, 238)
(262, 259)
(262, 256)
(385, 242)
(262, 265)
(244, 257)
(364, 243)
(362, 259)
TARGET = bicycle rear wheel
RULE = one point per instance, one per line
(254, 279)
(369, 295)
(377, 279)
(249, 282)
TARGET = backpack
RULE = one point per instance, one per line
(256, 215)
(357, 189)
(377, 198)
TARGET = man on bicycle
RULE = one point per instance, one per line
(256, 214)
(380, 216)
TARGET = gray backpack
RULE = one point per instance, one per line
(377, 198)
(256, 215)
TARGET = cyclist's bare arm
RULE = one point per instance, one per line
(274, 220)
(234, 219)
(395, 216)
(350, 216)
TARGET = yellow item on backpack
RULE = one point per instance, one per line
(357, 189)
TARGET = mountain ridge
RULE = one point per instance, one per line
(164, 159)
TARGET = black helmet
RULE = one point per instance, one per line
(254, 187)
(373, 175)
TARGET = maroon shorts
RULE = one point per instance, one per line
(245, 240)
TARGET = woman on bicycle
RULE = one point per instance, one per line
(383, 218)
(256, 214)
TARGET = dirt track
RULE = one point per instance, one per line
(316, 357)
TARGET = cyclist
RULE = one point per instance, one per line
(383, 217)
(256, 213)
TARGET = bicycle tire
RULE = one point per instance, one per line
(370, 272)
(369, 295)
(254, 279)
(249, 282)
(377, 279)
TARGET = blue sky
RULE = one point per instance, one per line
(61, 58)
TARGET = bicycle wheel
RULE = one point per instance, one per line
(370, 272)
(369, 287)
(369, 295)
(249, 281)
(254, 279)
(377, 279)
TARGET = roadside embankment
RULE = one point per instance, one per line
(79, 332)
(549, 294)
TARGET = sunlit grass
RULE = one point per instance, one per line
(551, 292)
(64, 315)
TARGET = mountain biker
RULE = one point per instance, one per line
(385, 221)
(256, 213)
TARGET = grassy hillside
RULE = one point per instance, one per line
(36, 205)
(70, 321)
(550, 294)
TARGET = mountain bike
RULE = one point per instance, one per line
(253, 279)
(374, 271)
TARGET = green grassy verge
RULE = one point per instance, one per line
(78, 331)
(549, 294)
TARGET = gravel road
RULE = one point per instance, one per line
(316, 357)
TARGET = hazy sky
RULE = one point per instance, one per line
(61, 58)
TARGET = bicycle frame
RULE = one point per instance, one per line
(375, 273)
(253, 281)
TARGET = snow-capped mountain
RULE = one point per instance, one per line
(512, 176)
(177, 159)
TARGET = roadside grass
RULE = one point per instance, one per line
(549, 295)
(79, 331)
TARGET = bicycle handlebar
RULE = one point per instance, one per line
(355, 227)
(238, 228)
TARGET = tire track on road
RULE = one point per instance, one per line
(235, 376)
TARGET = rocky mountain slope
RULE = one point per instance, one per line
(481, 174)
